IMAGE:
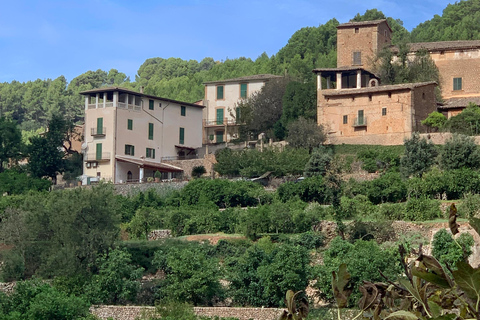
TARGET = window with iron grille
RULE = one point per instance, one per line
(357, 58)
(384, 111)
(345, 119)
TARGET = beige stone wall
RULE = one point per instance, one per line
(368, 41)
(187, 165)
(441, 137)
(463, 64)
(132, 312)
(424, 104)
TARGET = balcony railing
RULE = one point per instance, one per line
(98, 132)
(219, 122)
(104, 156)
(186, 157)
(360, 122)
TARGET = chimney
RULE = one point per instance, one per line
(141, 89)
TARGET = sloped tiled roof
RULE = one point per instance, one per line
(463, 102)
(393, 87)
(258, 77)
(351, 24)
(442, 45)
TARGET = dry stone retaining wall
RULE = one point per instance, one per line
(132, 312)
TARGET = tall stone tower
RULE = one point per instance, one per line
(359, 42)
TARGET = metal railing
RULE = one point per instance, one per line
(219, 122)
(186, 157)
(97, 157)
(360, 122)
(98, 131)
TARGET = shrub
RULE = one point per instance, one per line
(470, 205)
(418, 157)
(318, 162)
(356, 207)
(448, 251)
(391, 211)
(422, 209)
(389, 187)
(198, 171)
(460, 151)
(364, 259)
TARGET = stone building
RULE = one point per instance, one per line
(356, 108)
(130, 135)
(220, 116)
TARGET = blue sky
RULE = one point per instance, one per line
(49, 38)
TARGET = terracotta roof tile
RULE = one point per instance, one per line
(393, 87)
(258, 77)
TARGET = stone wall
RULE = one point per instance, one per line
(132, 312)
(441, 137)
(159, 234)
(187, 165)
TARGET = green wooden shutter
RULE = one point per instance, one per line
(133, 150)
(153, 153)
(130, 124)
(219, 92)
(237, 114)
(243, 90)
(183, 111)
(219, 136)
(98, 155)
(219, 116)
(99, 125)
(150, 104)
(182, 136)
(150, 131)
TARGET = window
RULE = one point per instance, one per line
(243, 90)
(129, 124)
(357, 58)
(159, 104)
(150, 153)
(99, 125)
(129, 150)
(369, 97)
(219, 92)
(384, 111)
(98, 154)
(389, 94)
(150, 104)
(357, 30)
(150, 131)
(345, 119)
(457, 83)
(360, 118)
(182, 136)
(183, 111)
(219, 116)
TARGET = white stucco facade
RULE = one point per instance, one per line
(128, 134)
(220, 123)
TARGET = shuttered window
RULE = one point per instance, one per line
(219, 116)
(150, 131)
(181, 139)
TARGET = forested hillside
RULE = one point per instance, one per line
(32, 103)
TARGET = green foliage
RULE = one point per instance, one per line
(15, 182)
(435, 120)
(319, 162)
(254, 163)
(418, 157)
(260, 278)
(36, 300)
(142, 222)
(399, 35)
(470, 205)
(263, 109)
(389, 187)
(460, 151)
(311, 189)
(186, 279)
(10, 142)
(422, 209)
(375, 159)
(466, 122)
(299, 100)
(198, 171)
(116, 281)
(356, 207)
(305, 133)
(457, 22)
(364, 259)
(449, 251)
(62, 232)
(223, 193)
